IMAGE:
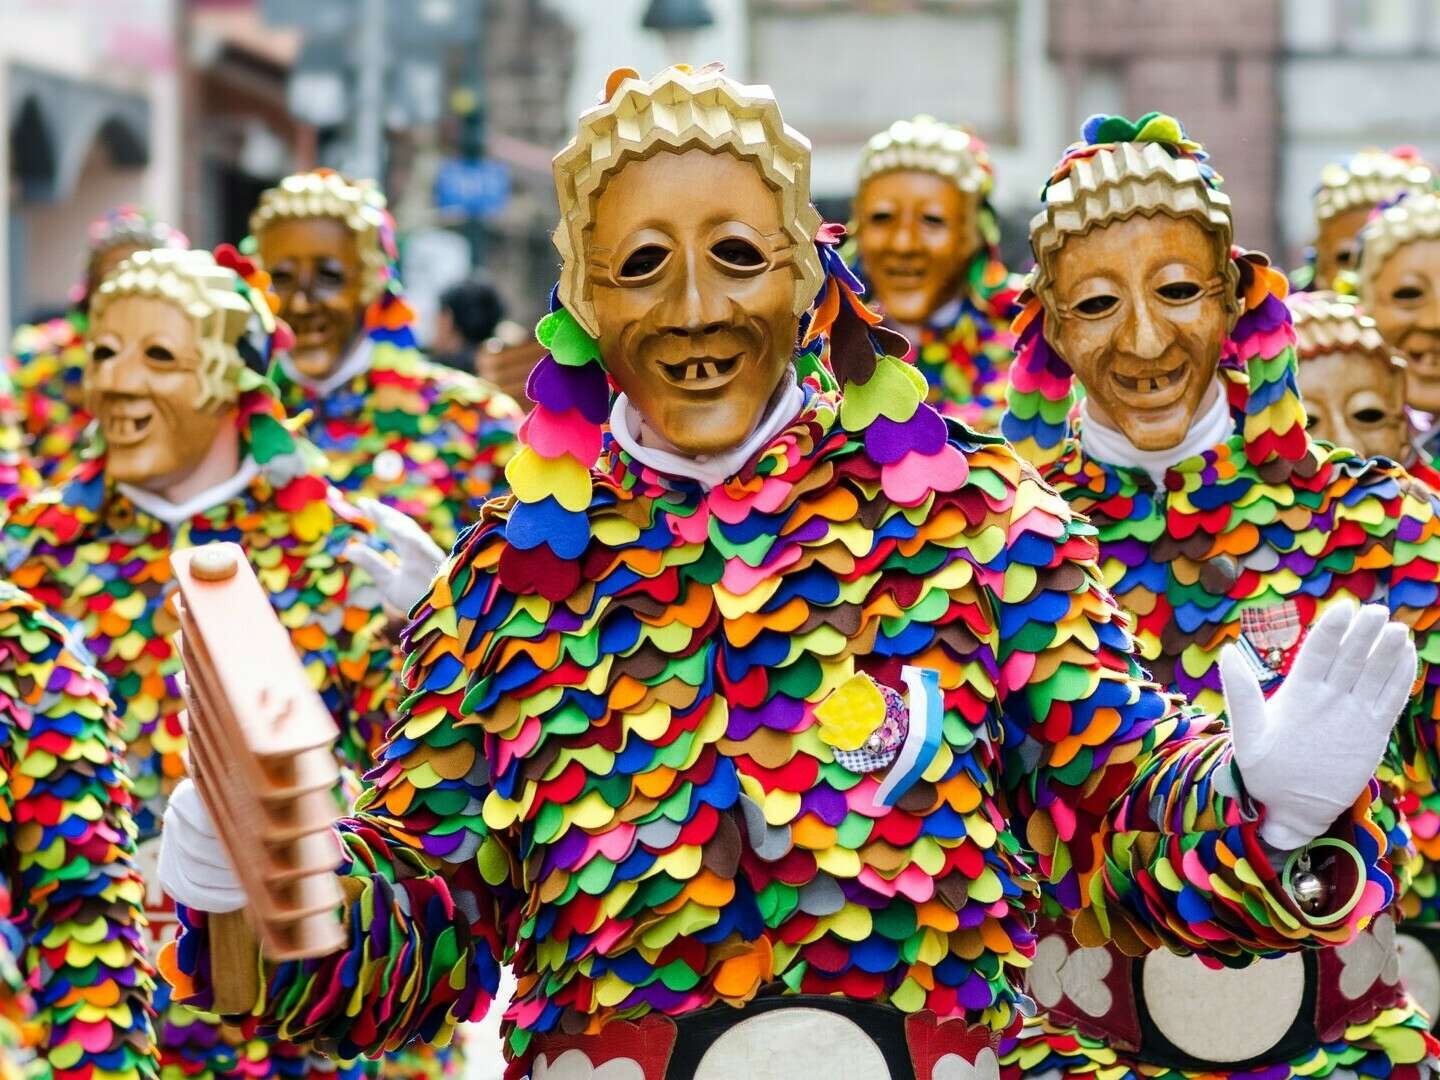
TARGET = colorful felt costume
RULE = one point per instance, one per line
(46, 365)
(617, 766)
(72, 911)
(965, 347)
(1246, 542)
(426, 439)
(94, 555)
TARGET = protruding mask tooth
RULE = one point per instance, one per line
(707, 369)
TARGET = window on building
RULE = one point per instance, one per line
(1369, 26)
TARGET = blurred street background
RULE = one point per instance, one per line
(191, 108)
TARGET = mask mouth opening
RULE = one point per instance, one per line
(1149, 384)
(702, 372)
(128, 424)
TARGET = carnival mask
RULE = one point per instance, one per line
(105, 261)
(1336, 244)
(314, 266)
(693, 283)
(917, 232)
(1357, 401)
(144, 383)
(1405, 304)
(1141, 318)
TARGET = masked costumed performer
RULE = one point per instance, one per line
(1228, 537)
(422, 438)
(1347, 195)
(1399, 287)
(1353, 382)
(735, 740)
(928, 247)
(70, 898)
(196, 449)
(47, 362)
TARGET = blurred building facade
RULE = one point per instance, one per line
(92, 95)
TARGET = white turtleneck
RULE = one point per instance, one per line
(174, 514)
(354, 362)
(1110, 446)
(645, 445)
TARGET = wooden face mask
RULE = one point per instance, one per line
(1140, 316)
(917, 233)
(144, 384)
(693, 284)
(314, 267)
(1356, 400)
(1337, 244)
(1405, 304)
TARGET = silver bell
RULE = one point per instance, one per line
(1308, 891)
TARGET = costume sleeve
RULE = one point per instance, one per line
(430, 890)
(1413, 591)
(1133, 806)
(77, 893)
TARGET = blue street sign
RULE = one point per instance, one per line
(472, 187)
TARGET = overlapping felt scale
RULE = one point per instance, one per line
(624, 791)
(73, 916)
(965, 351)
(1267, 527)
(92, 556)
(47, 366)
(428, 440)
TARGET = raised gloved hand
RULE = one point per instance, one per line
(407, 578)
(1308, 751)
(194, 870)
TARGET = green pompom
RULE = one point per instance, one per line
(567, 340)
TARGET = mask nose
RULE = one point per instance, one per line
(1143, 336)
(692, 306)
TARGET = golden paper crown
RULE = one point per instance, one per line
(680, 110)
(1369, 178)
(204, 291)
(1328, 323)
(359, 205)
(1415, 217)
(1118, 182)
(924, 144)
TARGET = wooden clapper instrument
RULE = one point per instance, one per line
(261, 753)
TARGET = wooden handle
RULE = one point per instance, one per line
(234, 963)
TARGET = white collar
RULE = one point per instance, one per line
(1110, 446)
(353, 363)
(631, 432)
(175, 514)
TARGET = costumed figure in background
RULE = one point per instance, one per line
(927, 243)
(1232, 540)
(1347, 195)
(194, 447)
(75, 983)
(734, 728)
(47, 360)
(1399, 287)
(422, 438)
(1353, 382)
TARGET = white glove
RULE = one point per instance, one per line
(1307, 753)
(405, 581)
(193, 868)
